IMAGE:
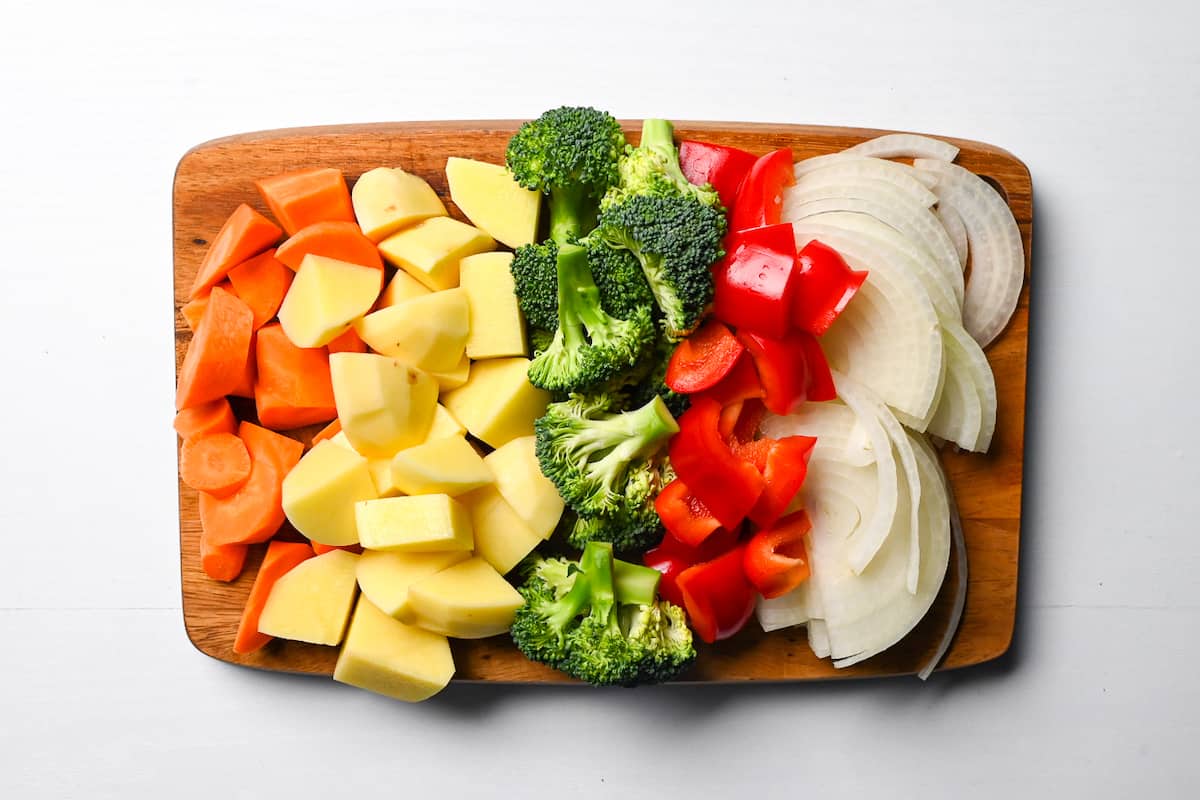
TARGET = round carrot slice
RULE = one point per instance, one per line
(218, 464)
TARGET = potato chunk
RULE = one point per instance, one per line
(387, 199)
(469, 600)
(384, 404)
(325, 297)
(320, 492)
(430, 251)
(520, 481)
(497, 326)
(312, 602)
(444, 466)
(420, 524)
(498, 403)
(491, 199)
(390, 658)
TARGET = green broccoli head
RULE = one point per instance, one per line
(554, 596)
(676, 239)
(653, 380)
(597, 458)
(652, 168)
(571, 154)
(619, 277)
(660, 634)
(535, 280)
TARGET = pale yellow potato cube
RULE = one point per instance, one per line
(501, 536)
(469, 600)
(312, 601)
(444, 424)
(420, 524)
(401, 287)
(444, 466)
(498, 403)
(428, 332)
(387, 199)
(430, 250)
(385, 480)
(450, 380)
(385, 656)
(497, 325)
(493, 201)
(340, 440)
(320, 492)
(325, 297)
(521, 483)
(384, 404)
(384, 578)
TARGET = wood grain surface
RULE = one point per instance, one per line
(213, 178)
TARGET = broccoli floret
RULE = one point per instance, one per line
(676, 239)
(619, 277)
(636, 527)
(660, 632)
(554, 596)
(590, 346)
(535, 281)
(653, 168)
(571, 154)
(597, 459)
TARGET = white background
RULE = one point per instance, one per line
(101, 695)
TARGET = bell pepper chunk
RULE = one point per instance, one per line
(819, 384)
(760, 197)
(776, 559)
(825, 284)
(717, 595)
(703, 358)
(727, 485)
(756, 281)
(784, 471)
(718, 165)
(683, 515)
(739, 384)
(782, 368)
(671, 557)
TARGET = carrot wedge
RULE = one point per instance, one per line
(329, 431)
(218, 464)
(222, 562)
(245, 234)
(284, 450)
(204, 420)
(215, 363)
(254, 512)
(348, 342)
(322, 549)
(294, 386)
(338, 239)
(280, 558)
(261, 283)
(300, 198)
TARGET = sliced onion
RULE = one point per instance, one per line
(960, 591)
(905, 145)
(900, 176)
(818, 638)
(787, 611)
(953, 224)
(839, 435)
(997, 254)
(958, 417)
(974, 365)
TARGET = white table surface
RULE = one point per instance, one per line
(101, 695)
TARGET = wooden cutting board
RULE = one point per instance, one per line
(213, 178)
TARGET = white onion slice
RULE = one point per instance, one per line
(839, 435)
(900, 176)
(818, 638)
(974, 365)
(997, 253)
(958, 417)
(953, 224)
(905, 145)
(787, 611)
(960, 591)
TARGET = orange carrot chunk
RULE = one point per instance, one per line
(280, 558)
(245, 386)
(218, 464)
(329, 431)
(322, 549)
(222, 562)
(294, 387)
(348, 342)
(205, 420)
(284, 450)
(215, 362)
(254, 512)
(299, 199)
(336, 239)
(193, 311)
(262, 283)
(245, 234)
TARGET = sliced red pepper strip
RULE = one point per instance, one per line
(749, 419)
(684, 516)
(719, 165)
(820, 386)
(775, 559)
(755, 283)
(824, 286)
(672, 557)
(703, 358)
(785, 468)
(717, 596)
(782, 369)
(760, 198)
(741, 383)
(726, 484)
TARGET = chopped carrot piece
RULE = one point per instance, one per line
(204, 420)
(218, 464)
(245, 234)
(299, 199)
(348, 342)
(222, 562)
(215, 362)
(280, 558)
(254, 512)
(285, 450)
(245, 387)
(335, 239)
(262, 283)
(294, 388)
(322, 549)
(329, 431)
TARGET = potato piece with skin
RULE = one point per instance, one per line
(425, 523)
(384, 404)
(430, 251)
(520, 481)
(385, 577)
(401, 287)
(427, 332)
(444, 466)
(387, 199)
(325, 297)
(320, 492)
(312, 602)
(501, 537)
(452, 379)
(380, 468)
(385, 656)
(469, 600)
(497, 325)
(498, 403)
(493, 201)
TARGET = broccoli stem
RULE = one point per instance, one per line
(571, 213)
(570, 327)
(571, 603)
(659, 135)
(597, 564)
(635, 584)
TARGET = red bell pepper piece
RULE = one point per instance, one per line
(775, 559)
(755, 283)
(727, 485)
(703, 358)
(683, 515)
(782, 368)
(672, 557)
(740, 383)
(760, 198)
(820, 385)
(784, 470)
(717, 596)
(825, 284)
(719, 165)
